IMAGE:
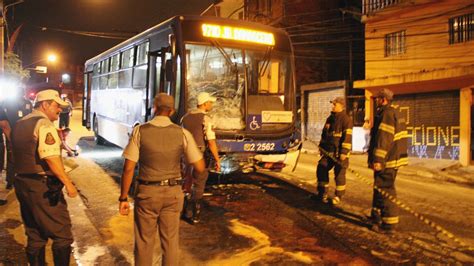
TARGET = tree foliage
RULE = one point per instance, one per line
(13, 68)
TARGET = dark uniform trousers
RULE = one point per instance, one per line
(157, 205)
(10, 165)
(322, 173)
(2, 154)
(382, 206)
(199, 180)
(42, 219)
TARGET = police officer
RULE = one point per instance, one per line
(66, 113)
(158, 147)
(40, 179)
(199, 124)
(4, 130)
(15, 109)
(336, 139)
(387, 152)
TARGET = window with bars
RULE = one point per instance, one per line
(395, 43)
(461, 28)
(264, 7)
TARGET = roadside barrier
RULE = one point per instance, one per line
(402, 205)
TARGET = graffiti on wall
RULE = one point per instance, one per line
(318, 109)
(432, 124)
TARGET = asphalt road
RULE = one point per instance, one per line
(257, 218)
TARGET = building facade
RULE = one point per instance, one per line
(424, 52)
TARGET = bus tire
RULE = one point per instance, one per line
(98, 139)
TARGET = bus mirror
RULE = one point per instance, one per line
(169, 70)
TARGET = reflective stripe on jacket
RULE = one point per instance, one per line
(337, 134)
(388, 143)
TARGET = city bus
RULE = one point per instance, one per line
(249, 67)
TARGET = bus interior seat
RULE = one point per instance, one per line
(259, 103)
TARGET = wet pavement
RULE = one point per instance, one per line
(260, 219)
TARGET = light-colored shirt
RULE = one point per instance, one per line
(208, 127)
(132, 150)
(49, 143)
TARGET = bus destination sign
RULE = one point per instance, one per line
(237, 34)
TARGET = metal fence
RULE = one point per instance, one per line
(370, 6)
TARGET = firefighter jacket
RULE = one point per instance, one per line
(337, 134)
(388, 142)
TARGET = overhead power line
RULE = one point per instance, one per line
(105, 35)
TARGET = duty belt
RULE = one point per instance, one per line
(35, 176)
(168, 182)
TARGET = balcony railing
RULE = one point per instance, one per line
(370, 6)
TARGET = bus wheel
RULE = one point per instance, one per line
(98, 139)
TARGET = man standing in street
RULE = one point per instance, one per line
(15, 109)
(336, 144)
(158, 146)
(387, 152)
(66, 113)
(199, 124)
(40, 179)
(4, 131)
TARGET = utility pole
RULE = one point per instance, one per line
(2, 24)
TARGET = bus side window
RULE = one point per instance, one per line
(158, 74)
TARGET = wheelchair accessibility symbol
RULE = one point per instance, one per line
(255, 122)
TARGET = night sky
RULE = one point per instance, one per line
(127, 17)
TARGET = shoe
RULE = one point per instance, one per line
(186, 214)
(383, 228)
(319, 198)
(336, 200)
(324, 198)
(374, 217)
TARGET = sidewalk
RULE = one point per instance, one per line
(429, 170)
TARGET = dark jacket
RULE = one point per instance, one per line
(388, 143)
(337, 134)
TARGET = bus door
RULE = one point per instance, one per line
(158, 80)
(86, 100)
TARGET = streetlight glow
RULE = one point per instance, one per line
(52, 58)
(66, 78)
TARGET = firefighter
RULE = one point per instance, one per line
(387, 152)
(336, 139)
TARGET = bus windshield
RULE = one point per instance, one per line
(231, 73)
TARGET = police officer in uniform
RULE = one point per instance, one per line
(66, 113)
(158, 147)
(336, 139)
(40, 179)
(387, 153)
(15, 109)
(199, 124)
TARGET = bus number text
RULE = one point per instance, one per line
(259, 146)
